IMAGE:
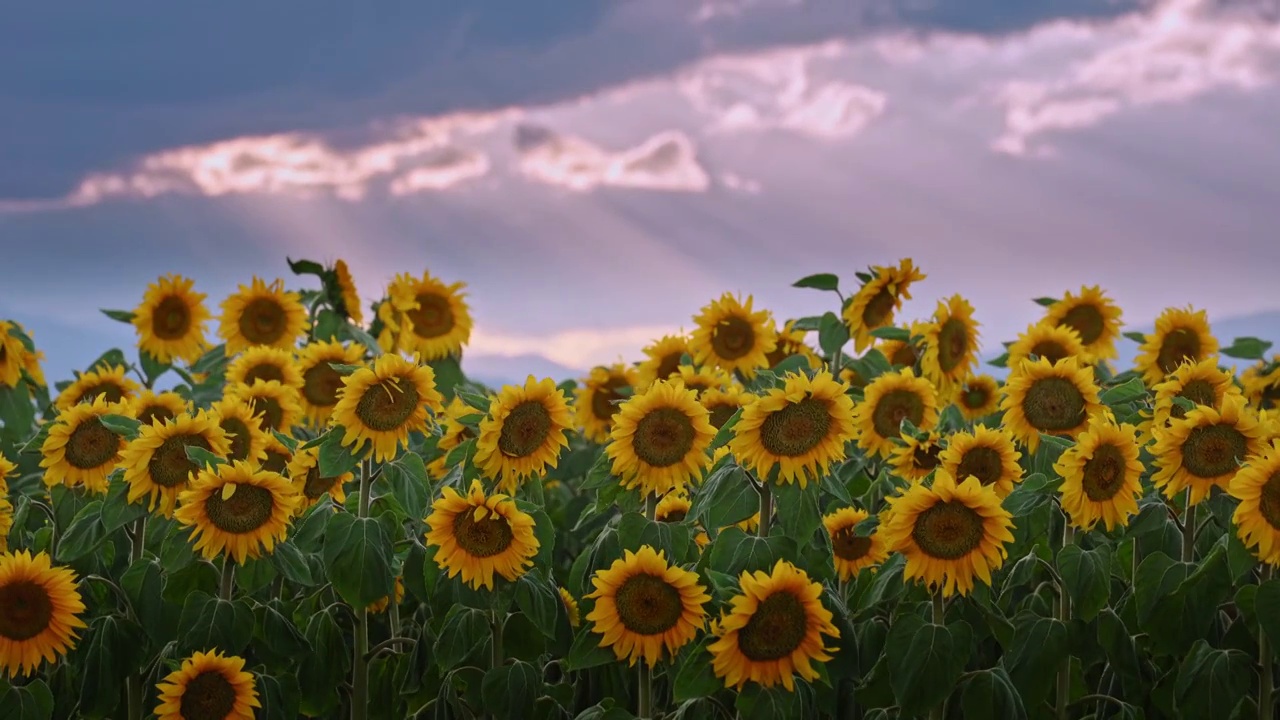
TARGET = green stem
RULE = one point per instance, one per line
(644, 711)
(1064, 615)
(138, 539)
(939, 618)
(133, 687)
(1189, 531)
(1266, 681)
(134, 691)
(228, 585)
(651, 508)
(495, 626)
(766, 508)
(360, 653)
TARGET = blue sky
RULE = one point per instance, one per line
(597, 171)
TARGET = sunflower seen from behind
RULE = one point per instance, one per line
(237, 508)
(347, 302)
(480, 535)
(852, 552)
(1202, 383)
(798, 429)
(435, 319)
(950, 344)
(887, 401)
(310, 485)
(524, 433)
(108, 382)
(1181, 335)
(662, 358)
(1257, 517)
(1101, 475)
(262, 314)
(264, 362)
(1044, 340)
(596, 402)
(733, 336)
(381, 404)
(1094, 317)
(977, 397)
(151, 407)
(1054, 399)
(170, 320)
(208, 686)
(916, 457)
(236, 418)
(660, 439)
(453, 433)
(156, 465)
(875, 303)
(80, 451)
(320, 383)
(1205, 449)
(570, 607)
(987, 454)
(40, 611)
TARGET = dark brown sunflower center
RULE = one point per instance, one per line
(320, 384)
(1178, 346)
(733, 338)
(239, 435)
(879, 309)
(1104, 473)
(433, 317)
(207, 696)
(387, 405)
(91, 445)
(797, 428)
(669, 364)
(154, 414)
(248, 508)
(169, 465)
(983, 463)
(1054, 405)
(1269, 501)
(1200, 392)
(926, 457)
(263, 321)
(848, 546)
(482, 538)
(948, 530)
(904, 354)
(663, 437)
(276, 461)
(674, 516)
(698, 386)
(604, 400)
(976, 398)
(25, 610)
(315, 486)
(270, 411)
(894, 407)
(775, 629)
(525, 429)
(171, 318)
(1214, 450)
(264, 371)
(953, 344)
(1050, 350)
(648, 605)
(1270, 397)
(720, 414)
(111, 391)
(1086, 320)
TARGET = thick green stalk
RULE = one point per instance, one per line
(766, 508)
(1189, 531)
(939, 618)
(1266, 681)
(133, 688)
(138, 539)
(360, 653)
(1064, 614)
(644, 709)
(228, 585)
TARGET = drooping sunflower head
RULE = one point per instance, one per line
(722, 403)
(208, 686)
(525, 431)
(1101, 475)
(702, 379)
(673, 507)
(772, 630)
(1205, 449)
(1048, 341)
(236, 418)
(479, 535)
(887, 401)
(949, 533)
(1054, 399)
(987, 454)
(310, 485)
(852, 552)
(170, 321)
(110, 383)
(237, 508)
(264, 362)
(80, 450)
(596, 402)
(151, 407)
(570, 608)
(646, 609)
(262, 314)
(950, 344)
(790, 343)
(12, 352)
(1257, 517)
(383, 403)
(436, 320)
(1094, 316)
(1203, 383)
(731, 336)
(1181, 335)
(453, 433)
(917, 457)
(799, 429)
(320, 384)
(7, 468)
(40, 611)
(348, 300)
(660, 439)
(275, 405)
(977, 397)
(388, 324)
(662, 359)
(1262, 384)
(875, 303)
(156, 465)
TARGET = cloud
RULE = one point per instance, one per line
(666, 161)
(580, 349)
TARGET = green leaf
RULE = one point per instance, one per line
(586, 651)
(1135, 336)
(465, 632)
(344, 368)
(357, 559)
(292, 564)
(728, 500)
(355, 334)
(448, 376)
(798, 511)
(335, 458)
(1267, 605)
(151, 367)
(924, 662)
(117, 511)
(807, 324)
(32, 701)
(1133, 389)
(121, 425)
(83, 535)
(322, 671)
(1087, 574)
(407, 476)
(990, 694)
(204, 458)
(111, 651)
(725, 433)
(1210, 680)
(1000, 361)
(734, 551)
(1046, 301)
(143, 582)
(510, 690)
(1117, 642)
(694, 676)
(1247, 348)
(821, 281)
(305, 267)
(832, 333)
(891, 333)
(124, 316)
(209, 622)
(539, 601)
(775, 703)
(1039, 645)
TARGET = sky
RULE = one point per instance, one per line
(596, 172)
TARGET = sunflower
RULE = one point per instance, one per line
(790, 343)
(1054, 399)
(875, 303)
(155, 462)
(887, 401)
(235, 417)
(722, 403)
(1262, 384)
(987, 454)
(977, 397)
(660, 439)
(799, 428)
(772, 630)
(1094, 316)
(917, 457)
(6, 522)
(1051, 342)
(12, 352)
(903, 353)
(1180, 336)
(662, 358)
(381, 604)
(950, 344)
(596, 402)
(850, 376)
(40, 610)
(320, 384)
(278, 456)
(478, 536)
(383, 403)
(853, 553)
(702, 379)
(151, 407)
(108, 383)
(275, 406)
(348, 304)
(454, 434)
(80, 450)
(6, 469)
(310, 486)
(1203, 383)
(1101, 475)
(673, 507)
(262, 314)
(264, 362)
(208, 686)
(1205, 449)
(524, 432)
(1257, 517)
(645, 606)
(389, 323)
(170, 321)
(237, 508)
(949, 533)
(436, 322)
(733, 337)
(570, 608)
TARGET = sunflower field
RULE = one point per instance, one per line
(275, 509)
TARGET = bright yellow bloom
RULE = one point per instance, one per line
(170, 321)
(262, 314)
(40, 611)
(799, 429)
(732, 336)
(1181, 336)
(645, 608)
(478, 536)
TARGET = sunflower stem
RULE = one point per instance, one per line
(1266, 681)
(1189, 531)
(939, 618)
(651, 507)
(134, 697)
(228, 584)
(495, 626)
(138, 539)
(360, 659)
(1064, 615)
(644, 711)
(766, 509)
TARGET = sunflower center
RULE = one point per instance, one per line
(674, 516)
(697, 386)
(975, 398)
(1178, 347)
(525, 429)
(171, 318)
(387, 405)
(169, 465)
(733, 338)
(1269, 502)
(248, 508)
(1050, 350)
(91, 445)
(775, 629)
(1086, 320)
(433, 317)
(604, 399)
(1053, 404)
(154, 414)
(25, 610)
(276, 461)
(648, 605)
(983, 463)
(663, 437)
(879, 309)
(320, 384)
(112, 392)
(1270, 397)
(315, 486)
(1199, 392)
(849, 546)
(894, 407)
(797, 428)
(264, 371)
(482, 538)
(1213, 450)
(953, 344)
(720, 414)
(904, 354)
(926, 458)
(208, 696)
(270, 410)
(238, 433)
(669, 364)
(263, 321)
(948, 530)
(1104, 473)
